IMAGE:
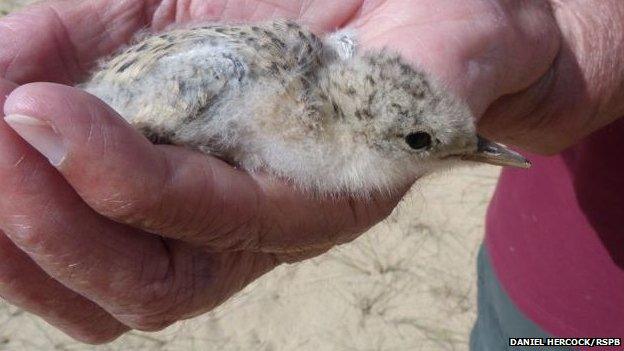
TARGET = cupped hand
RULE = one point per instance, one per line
(136, 235)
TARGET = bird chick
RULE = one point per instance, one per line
(275, 97)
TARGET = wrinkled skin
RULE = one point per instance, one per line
(137, 236)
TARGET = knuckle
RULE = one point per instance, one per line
(142, 200)
(133, 204)
(190, 204)
(26, 236)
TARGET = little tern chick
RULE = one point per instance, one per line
(274, 97)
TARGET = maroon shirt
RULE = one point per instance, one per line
(555, 235)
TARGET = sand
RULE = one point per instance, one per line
(407, 284)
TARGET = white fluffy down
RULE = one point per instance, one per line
(196, 94)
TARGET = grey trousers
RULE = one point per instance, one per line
(498, 319)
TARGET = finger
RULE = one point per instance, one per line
(531, 119)
(479, 50)
(59, 41)
(108, 263)
(24, 284)
(580, 94)
(175, 192)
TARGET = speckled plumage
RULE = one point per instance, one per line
(276, 97)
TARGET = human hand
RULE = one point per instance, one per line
(540, 74)
(88, 223)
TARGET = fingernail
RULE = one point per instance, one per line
(40, 135)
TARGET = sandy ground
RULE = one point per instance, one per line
(407, 284)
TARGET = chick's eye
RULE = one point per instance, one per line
(418, 140)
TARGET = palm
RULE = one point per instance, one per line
(454, 40)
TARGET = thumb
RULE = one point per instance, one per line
(172, 191)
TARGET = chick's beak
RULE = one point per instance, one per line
(496, 154)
